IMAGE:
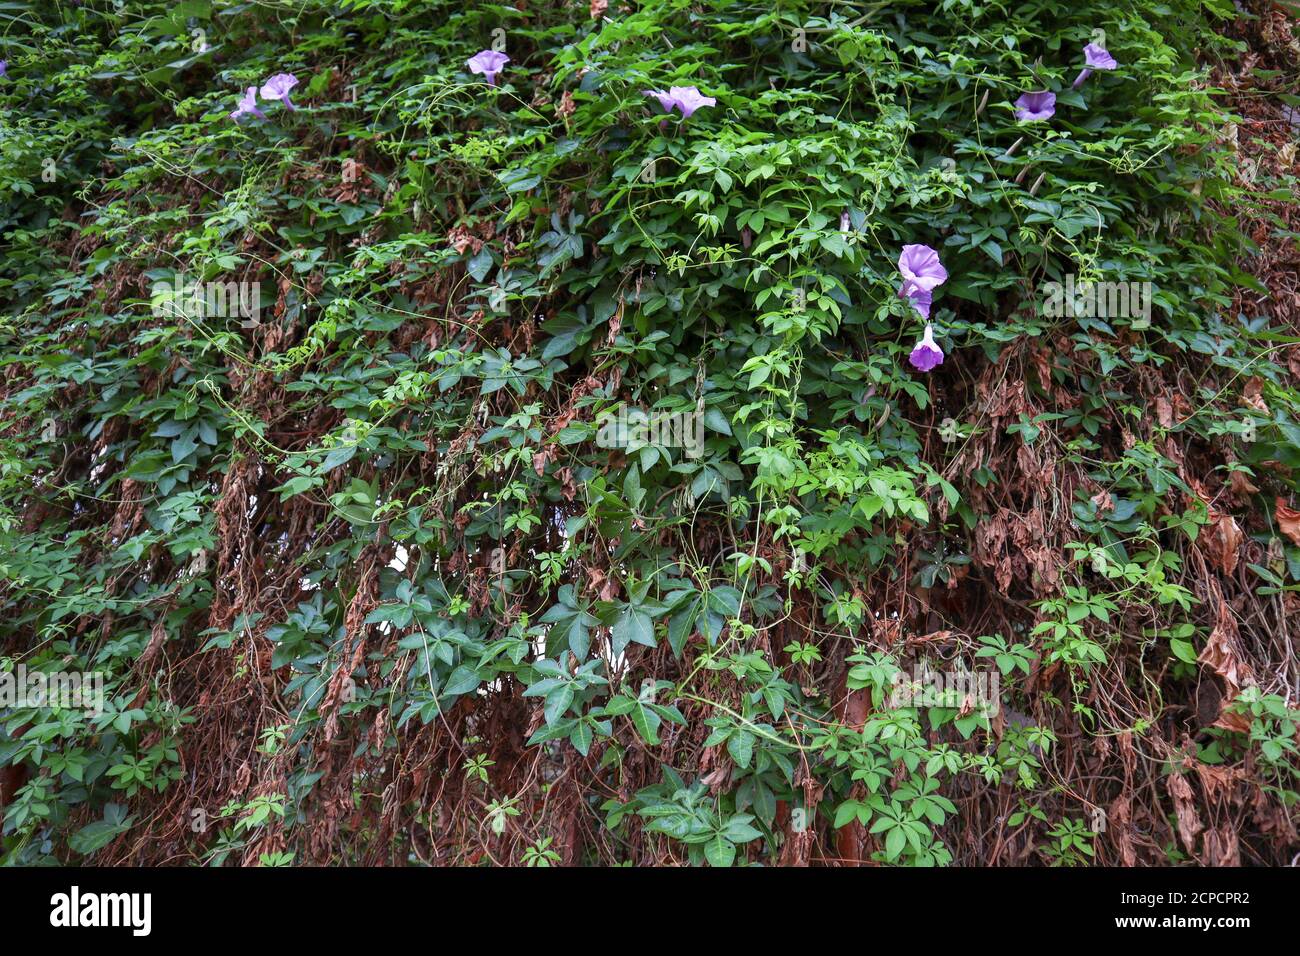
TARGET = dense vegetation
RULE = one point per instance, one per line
(366, 585)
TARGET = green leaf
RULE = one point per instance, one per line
(741, 747)
(581, 737)
(632, 626)
(720, 851)
(646, 723)
(557, 702)
(895, 842)
(462, 680)
(1183, 650)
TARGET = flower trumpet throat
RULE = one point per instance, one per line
(926, 355)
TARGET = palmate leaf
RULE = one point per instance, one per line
(479, 272)
(581, 737)
(462, 680)
(646, 722)
(632, 625)
(557, 702)
(572, 626)
(720, 851)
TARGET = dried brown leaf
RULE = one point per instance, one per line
(1189, 823)
(1288, 521)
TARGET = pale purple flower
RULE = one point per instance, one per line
(687, 99)
(666, 99)
(922, 271)
(247, 104)
(921, 300)
(489, 63)
(927, 354)
(1036, 106)
(1097, 58)
(4, 67)
(278, 87)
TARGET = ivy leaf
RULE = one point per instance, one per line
(646, 722)
(895, 842)
(632, 626)
(581, 737)
(1183, 650)
(557, 702)
(97, 835)
(720, 851)
(462, 680)
(741, 747)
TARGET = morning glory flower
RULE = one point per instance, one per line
(687, 99)
(666, 99)
(1097, 59)
(922, 271)
(921, 300)
(278, 87)
(248, 104)
(489, 63)
(1036, 106)
(927, 354)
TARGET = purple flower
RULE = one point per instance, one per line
(4, 67)
(489, 63)
(922, 271)
(666, 99)
(926, 355)
(248, 104)
(1036, 106)
(1097, 58)
(687, 99)
(278, 87)
(921, 300)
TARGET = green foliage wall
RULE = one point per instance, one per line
(366, 587)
